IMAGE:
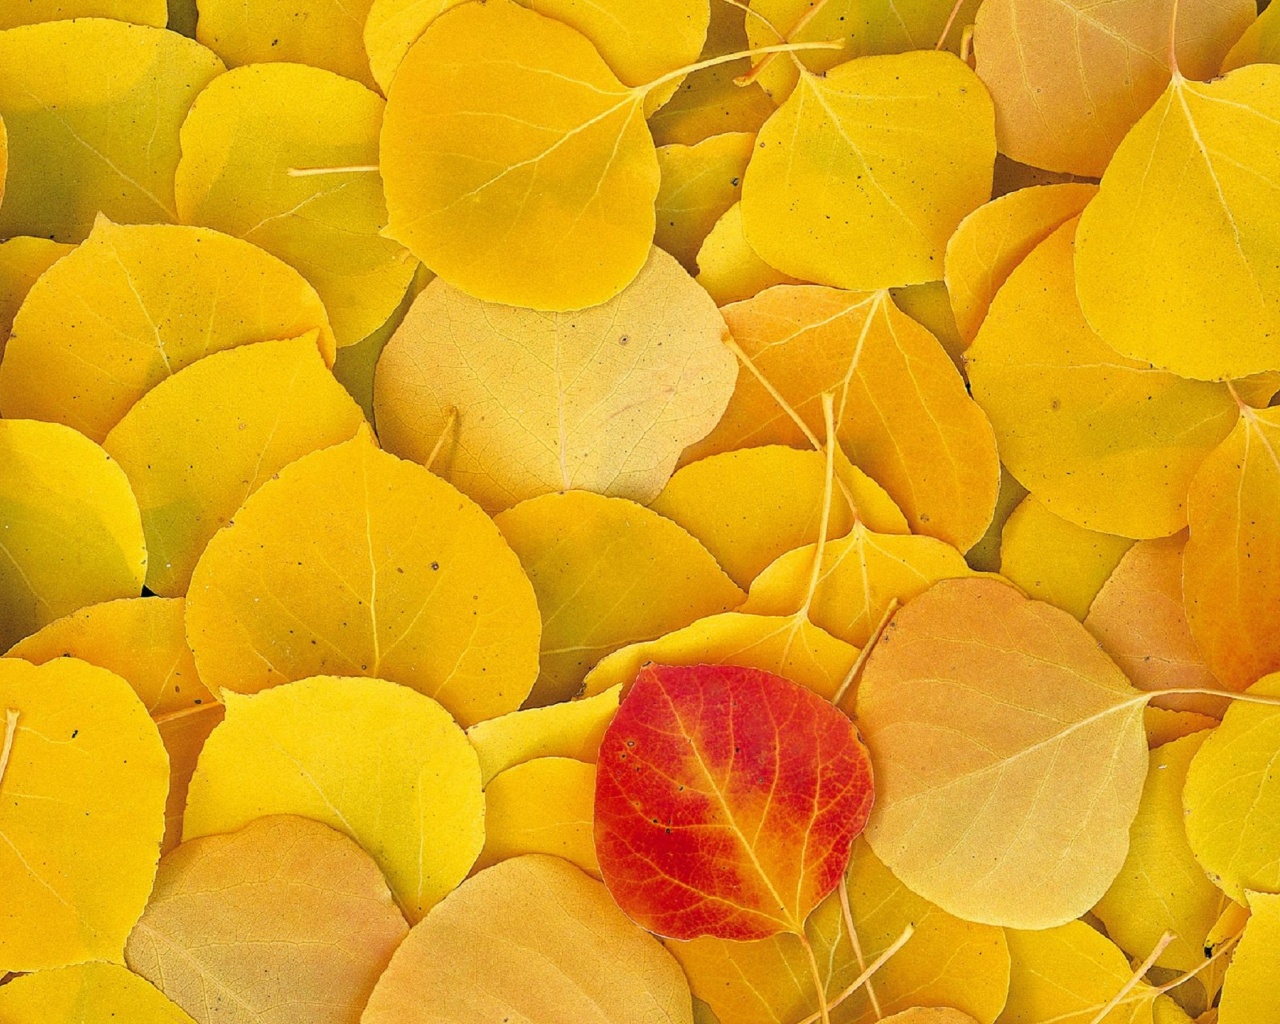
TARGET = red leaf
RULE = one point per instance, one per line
(727, 800)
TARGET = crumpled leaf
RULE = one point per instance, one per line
(902, 413)
(1259, 44)
(543, 805)
(607, 572)
(1066, 106)
(71, 531)
(699, 183)
(199, 443)
(284, 920)
(305, 749)
(77, 861)
(605, 399)
(134, 305)
(1175, 255)
(93, 107)
(728, 268)
(1248, 997)
(22, 260)
(92, 993)
(705, 775)
(1009, 752)
(351, 561)
(139, 12)
(327, 225)
(578, 958)
(898, 149)
(946, 960)
(1106, 442)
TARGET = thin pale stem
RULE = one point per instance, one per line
(310, 172)
(951, 20)
(865, 653)
(1204, 691)
(966, 43)
(729, 58)
(819, 988)
(170, 716)
(865, 976)
(824, 521)
(1137, 977)
(1241, 404)
(1182, 979)
(10, 730)
(450, 420)
(1173, 41)
(846, 911)
(746, 8)
(796, 29)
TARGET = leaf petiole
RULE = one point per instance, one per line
(729, 58)
(1136, 978)
(10, 730)
(865, 976)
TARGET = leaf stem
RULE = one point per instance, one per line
(819, 988)
(1174, 72)
(1204, 691)
(824, 520)
(846, 912)
(308, 172)
(800, 25)
(1182, 979)
(1137, 977)
(729, 58)
(865, 976)
(865, 653)
(951, 20)
(10, 730)
(450, 419)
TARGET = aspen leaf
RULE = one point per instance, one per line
(541, 806)
(1248, 996)
(303, 749)
(1232, 558)
(134, 305)
(699, 183)
(1106, 442)
(728, 268)
(93, 107)
(578, 958)
(902, 413)
(572, 729)
(327, 225)
(607, 572)
(929, 1015)
(284, 920)
(1164, 726)
(704, 774)
(139, 12)
(355, 562)
(929, 305)
(1175, 255)
(1067, 108)
(22, 260)
(786, 645)
(1231, 798)
(898, 149)
(604, 399)
(92, 993)
(198, 444)
(1009, 752)
(945, 962)
(1057, 561)
(72, 533)
(984, 556)
(1259, 44)
(77, 862)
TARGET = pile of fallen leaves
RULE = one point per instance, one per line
(639, 512)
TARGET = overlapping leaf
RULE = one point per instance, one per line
(92, 993)
(541, 806)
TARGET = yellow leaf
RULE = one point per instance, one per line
(327, 225)
(22, 260)
(77, 861)
(92, 993)
(93, 108)
(1231, 565)
(70, 529)
(946, 961)
(996, 237)
(699, 183)
(283, 920)
(902, 412)
(1105, 442)
(1259, 44)
(135, 304)
(929, 305)
(1067, 105)
(1009, 752)
(728, 268)
(1164, 726)
(1176, 254)
(526, 403)
(1057, 561)
(139, 12)
(572, 729)
(304, 749)
(201, 442)
(928, 1015)
(896, 151)
(351, 561)
(608, 573)
(789, 646)
(1249, 994)
(517, 166)
(984, 556)
(546, 805)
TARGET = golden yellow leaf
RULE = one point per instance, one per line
(608, 573)
(1009, 752)
(1175, 255)
(135, 304)
(946, 961)
(93, 108)
(1055, 560)
(902, 413)
(139, 12)
(929, 305)
(728, 268)
(996, 237)
(984, 556)
(92, 993)
(786, 645)
(202, 441)
(1259, 44)
(306, 748)
(70, 533)
(699, 183)
(22, 260)
(578, 958)
(605, 399)
(897, 150)
(1164, 726)
(1106, 442)
(245, 137)
(1231, 565)
(77, 860)
(928, 1015)
(284, 920)
(545, 805)
(1249, 994)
